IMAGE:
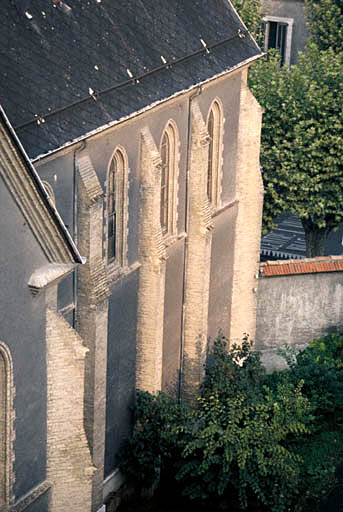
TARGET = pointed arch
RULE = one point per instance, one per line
(6, 425)
(215, 150)
(169, 150)
(117, 208)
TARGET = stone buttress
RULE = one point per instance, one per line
(92, 314)
(152, 257)
(199, 240)
(248, 224)
(69, 463)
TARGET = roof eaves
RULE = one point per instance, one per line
(106, 126)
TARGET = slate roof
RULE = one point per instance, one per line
(54, 54)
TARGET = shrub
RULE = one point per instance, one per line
(253, 437)
(152, 439)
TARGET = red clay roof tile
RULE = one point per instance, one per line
(305, 266)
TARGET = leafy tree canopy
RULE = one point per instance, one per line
(302, 140)
(324, 20)
(255, 441)
(250, 12)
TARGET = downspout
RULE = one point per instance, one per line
(75, 231)
(184, 281)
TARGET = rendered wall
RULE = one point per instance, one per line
(295, 309)
(121, 366)
(22, 329)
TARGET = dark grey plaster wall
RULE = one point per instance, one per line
(65, 291)
(295, 10)
(121, 360)
(172, 329)
(221, 272)
(40, 504)
(296, 309)
(22, 328)
(59, 173)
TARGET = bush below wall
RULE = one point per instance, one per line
(257, 441)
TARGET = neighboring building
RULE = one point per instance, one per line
(287, 240)
(137, 117)
(284, 28)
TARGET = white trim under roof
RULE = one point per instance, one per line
(146, 109)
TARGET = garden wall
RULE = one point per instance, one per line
(298, 300)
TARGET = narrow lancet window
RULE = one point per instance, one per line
(215, 130)
(116, 209)
(169, 179)
(165, 156)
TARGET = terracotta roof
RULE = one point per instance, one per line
(304, 266)
(69, 67)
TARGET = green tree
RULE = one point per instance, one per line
(255, 441)
(324, 20)
(302, 141)
(250, 12)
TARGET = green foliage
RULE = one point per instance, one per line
(235, 371)
(250, 12)
(324, 20)
(239, 448)
(302, 140)
(253, 438)
(320, 366)
(155, 419)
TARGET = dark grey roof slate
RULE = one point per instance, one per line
(50, 59)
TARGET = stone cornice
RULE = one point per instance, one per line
(48, 274)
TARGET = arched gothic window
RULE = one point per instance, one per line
(215, 132)
(169, 179)
(117, 208)
(6, 425)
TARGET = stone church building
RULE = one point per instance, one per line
(131, 202)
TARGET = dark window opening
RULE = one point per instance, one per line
(112, 214)
(277, 38)
(210, 129)
(165, 156)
